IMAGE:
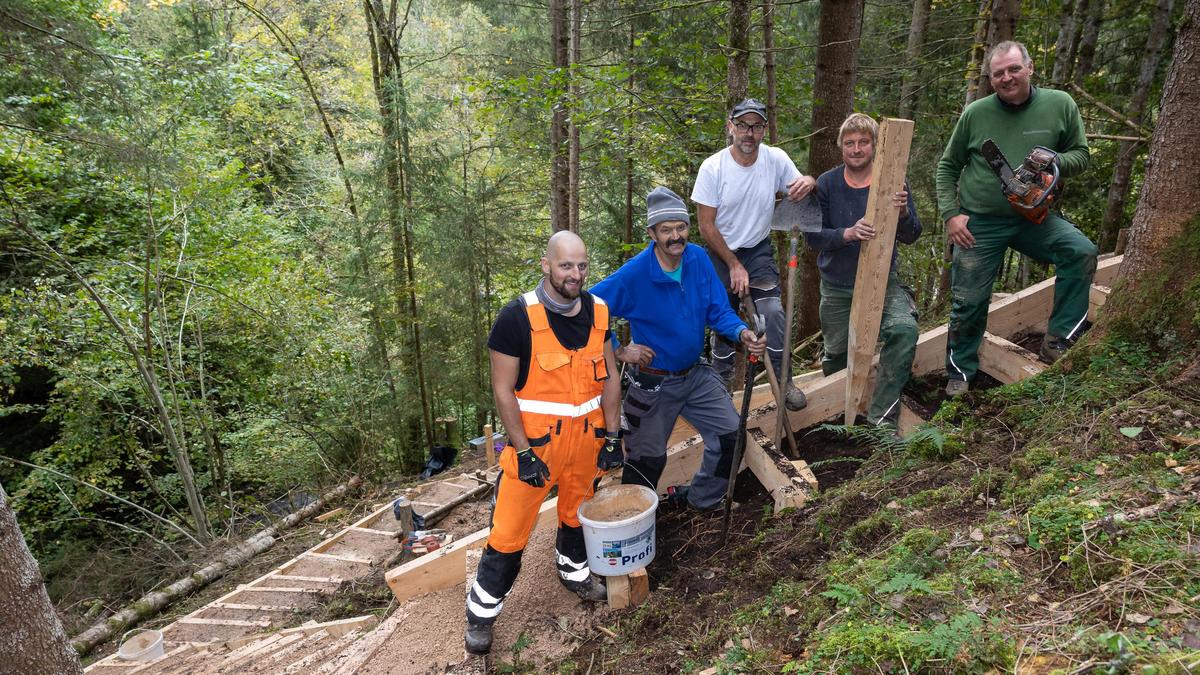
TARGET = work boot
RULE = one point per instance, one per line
(956, 388)
(794, 399)
(676, 499)
(1053, 347)
(478, 638)
(592, 589)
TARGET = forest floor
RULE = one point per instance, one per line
(1047, 526)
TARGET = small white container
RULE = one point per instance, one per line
(618, 529)
(144, 646)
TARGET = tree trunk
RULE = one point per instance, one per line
(738, 77)
(836, 75)
(630, 121)
(1067, 45)
(1118, 190)
(916, 40)
(1167, 203)
(393, 108)
(978, 46)
(33, 639)
(1085, 64)
(1001, 26)
(560, 201)
(769, 71)
(573, 124)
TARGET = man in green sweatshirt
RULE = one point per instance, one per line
(982, 225)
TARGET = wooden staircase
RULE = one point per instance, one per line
(243, 630)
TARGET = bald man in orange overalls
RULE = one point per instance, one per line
(557, 392)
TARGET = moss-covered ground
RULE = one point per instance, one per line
(1051, 525)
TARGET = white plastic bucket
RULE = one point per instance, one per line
(144, 646)
(618, 529)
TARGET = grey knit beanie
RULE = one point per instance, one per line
(662, 204)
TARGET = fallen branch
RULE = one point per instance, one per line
(152, 603)
(1165, 504)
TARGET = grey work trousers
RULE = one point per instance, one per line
(651, 407)
(759, 261)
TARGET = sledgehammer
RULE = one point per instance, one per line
(740, 445)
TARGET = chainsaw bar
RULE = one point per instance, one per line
(996, 159)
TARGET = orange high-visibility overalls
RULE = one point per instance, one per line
(560, 410)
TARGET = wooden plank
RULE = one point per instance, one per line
(639, 587)
(909, 420)
(196, 621)
(330, 515)
(804, 472)
(302, 579)
(273, 589)
(337, 628)
(176, 653)
(786, 485)
(1096, 299)
(1021, 311)
(489, 444)
(875, 256)
(761, 395)
(618, 591)
(249, 608)
(380, 533)
(1030, 308)
(447, 566)
(1006, 361)
(339, 558)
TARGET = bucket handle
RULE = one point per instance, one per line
(133, 630)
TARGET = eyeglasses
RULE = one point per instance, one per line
(742, 127)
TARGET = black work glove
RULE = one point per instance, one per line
(611, 455)
(531, 468)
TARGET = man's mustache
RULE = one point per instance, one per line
(672, 242)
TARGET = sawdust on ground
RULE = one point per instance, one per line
(428, 638)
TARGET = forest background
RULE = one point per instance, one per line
(253, 247)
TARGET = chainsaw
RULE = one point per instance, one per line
(1034, 187)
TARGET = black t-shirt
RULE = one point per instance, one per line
(511, 333)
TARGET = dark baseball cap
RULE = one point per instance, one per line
(748, 106)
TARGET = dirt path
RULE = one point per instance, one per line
(554, 621)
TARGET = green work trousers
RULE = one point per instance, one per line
(973, 272)
(897, 334)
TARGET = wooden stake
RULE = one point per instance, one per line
(489, 445)
(875, 256)
(639, 587)
(618, 591)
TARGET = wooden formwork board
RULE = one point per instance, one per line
(1007, 361)
(1007, 317)
(789, 482)
(447, 566)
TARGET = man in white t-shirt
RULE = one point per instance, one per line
(735, 196)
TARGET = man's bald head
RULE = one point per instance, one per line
(565, 265)
(564, 241)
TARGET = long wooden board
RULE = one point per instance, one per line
(875, 257)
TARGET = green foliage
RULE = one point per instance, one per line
(517, 665)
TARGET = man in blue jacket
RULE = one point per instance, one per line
(669, 293)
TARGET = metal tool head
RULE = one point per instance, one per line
(804, 215)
